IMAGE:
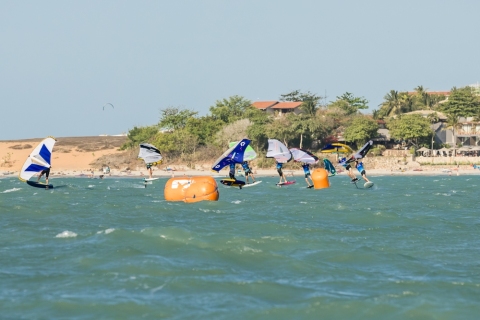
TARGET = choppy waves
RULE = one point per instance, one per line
(109, 249)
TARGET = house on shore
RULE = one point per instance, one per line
(278, 108)
(466, 134)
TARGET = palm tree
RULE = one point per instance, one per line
(406, 102)
(453, 122)
(433, 117)
(420, 90)
(376, 114)
(422, 98)
(392, 104)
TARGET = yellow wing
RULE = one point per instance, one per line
(338, 148)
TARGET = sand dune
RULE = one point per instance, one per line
(69, 153)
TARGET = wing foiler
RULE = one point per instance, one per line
(38, 160)
(279, 151)
(363, 151)
(300, 155)
(150, 154)
(233, 155)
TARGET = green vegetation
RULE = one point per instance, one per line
(184, 135)
(462, 103)
(139, 135)
(412, 128)
(361, 130)
(349, 103)
(396, 103)
(378, 150)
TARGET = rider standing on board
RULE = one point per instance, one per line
(248, 171)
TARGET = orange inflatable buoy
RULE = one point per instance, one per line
(191, 189)
(320, 178)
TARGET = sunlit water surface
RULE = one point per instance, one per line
(112, 249)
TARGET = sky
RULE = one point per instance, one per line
(62, 61)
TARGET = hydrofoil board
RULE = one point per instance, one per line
(233, 183)
(252, 184)
(368, 184)
(151, 179)
(39, 185)
(286, 183)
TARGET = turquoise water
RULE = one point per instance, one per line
(409, 248)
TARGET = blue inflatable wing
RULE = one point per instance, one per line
(239, 151)
(234, 154)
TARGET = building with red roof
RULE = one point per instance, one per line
(278, 107)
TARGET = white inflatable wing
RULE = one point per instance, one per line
(39, 159)
(150, 154)
(304, 156)
(279, 151)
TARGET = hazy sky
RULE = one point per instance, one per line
(62, 61)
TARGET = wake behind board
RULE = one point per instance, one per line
(252, 184)
(151, 179)
(286, 183)
(368, 185)
(232, 182)
(39, 185)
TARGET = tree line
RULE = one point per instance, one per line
(182, 134)
(417, 130)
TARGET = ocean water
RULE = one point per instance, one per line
(409, 248)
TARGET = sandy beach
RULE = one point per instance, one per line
(74, 157)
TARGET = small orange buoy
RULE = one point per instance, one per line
(320, 178)
(191, 189)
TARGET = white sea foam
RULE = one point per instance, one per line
(66, 234)
(237, 201)
(158, 288)
(12, 190)
(91, 186)
(443, 194)
(106, 231)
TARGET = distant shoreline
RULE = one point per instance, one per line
(73, 157)
(297, 174)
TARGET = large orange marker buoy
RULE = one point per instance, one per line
(191, 189)
(320, 178)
